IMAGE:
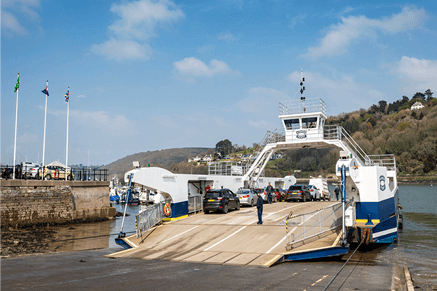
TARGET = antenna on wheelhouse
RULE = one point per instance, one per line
(302, 89)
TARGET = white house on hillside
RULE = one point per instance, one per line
(417, 105)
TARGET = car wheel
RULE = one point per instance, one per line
(206, 211)
(225, 209)
(48, 177)
(252, 203)
(238, 206)
(69, 177)
(304, 198)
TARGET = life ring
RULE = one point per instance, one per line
(56, 174)
(167, 209)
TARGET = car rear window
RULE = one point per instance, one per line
(295, 188)
(258, 190)
(213, 194)
(243, 192)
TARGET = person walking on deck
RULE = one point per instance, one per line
(259, 206)
(269, 191)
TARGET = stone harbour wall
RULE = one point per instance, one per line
(31, 202)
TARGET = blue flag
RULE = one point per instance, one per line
(46, 90)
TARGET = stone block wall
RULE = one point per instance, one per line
(31, 202)
(28, 205)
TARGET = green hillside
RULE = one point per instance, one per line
(163, 158)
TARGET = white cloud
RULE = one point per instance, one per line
(80, 96)
(340, 95)
(139, 19)
(297, 19)
(137, 24)
(122, 49)
(194, 67)
(10, 24)
(226, 36)
(340, 36)
(417, 75)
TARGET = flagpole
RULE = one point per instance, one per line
(16, 121)
(44, 140)
(66, 151)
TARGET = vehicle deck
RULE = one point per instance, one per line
(230, 239)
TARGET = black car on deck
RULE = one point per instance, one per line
(221, 199)
(298, 192)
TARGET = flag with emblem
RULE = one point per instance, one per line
(17, 86)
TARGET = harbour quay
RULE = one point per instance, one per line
(30, 202)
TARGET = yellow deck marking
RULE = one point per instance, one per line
(319, 280)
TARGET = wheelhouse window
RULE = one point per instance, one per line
(309, 122)
(291, 124)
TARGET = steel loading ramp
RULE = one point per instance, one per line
(229, 239)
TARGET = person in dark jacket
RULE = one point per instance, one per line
(259, 206)
(336, 191)
(269, 191)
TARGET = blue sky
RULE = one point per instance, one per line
(150, 75)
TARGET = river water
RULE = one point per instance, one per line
(417, 244)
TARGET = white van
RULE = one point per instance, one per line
(322, 185)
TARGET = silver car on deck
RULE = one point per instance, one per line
(247, 197)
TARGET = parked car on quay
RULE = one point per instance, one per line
(316, 195)
(247, 197)
(298, 192)
(55, 172)
(7, 172)
(26, 170)
(222, 199)
(34, 172)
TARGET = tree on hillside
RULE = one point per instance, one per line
(223, 147)
(382, 106)
(419, 95)
(428, 93)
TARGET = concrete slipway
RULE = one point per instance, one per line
(229, 239)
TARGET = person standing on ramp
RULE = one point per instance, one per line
(259, 206)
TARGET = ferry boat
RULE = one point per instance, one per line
(369, 182)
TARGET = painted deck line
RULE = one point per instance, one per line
(131, 243)
(180, 234)
(273, 213)
(225, 238)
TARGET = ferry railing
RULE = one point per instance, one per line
(299, 106)
(333, 132)
(148, 218)
(195, 203)
(311, 224)
(388, 161)
(227, 168)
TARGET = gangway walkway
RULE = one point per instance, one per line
(230, 239)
